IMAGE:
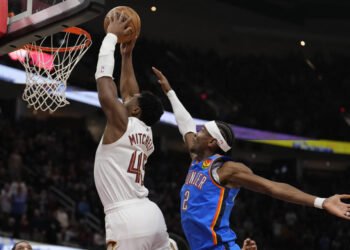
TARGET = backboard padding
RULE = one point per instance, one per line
(3, 17)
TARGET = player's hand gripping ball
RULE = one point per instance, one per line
(135, 23)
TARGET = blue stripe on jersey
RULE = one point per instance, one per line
(206, 207)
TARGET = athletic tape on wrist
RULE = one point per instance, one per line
(105, 63)
(318, 203)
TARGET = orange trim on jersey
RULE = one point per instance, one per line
(218, 209)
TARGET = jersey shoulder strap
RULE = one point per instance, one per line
(216, 164)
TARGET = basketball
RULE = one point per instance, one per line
(135, 23)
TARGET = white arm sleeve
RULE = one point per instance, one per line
(105, 63)
(183, 119)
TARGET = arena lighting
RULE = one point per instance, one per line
(153, 8)
(302, 43)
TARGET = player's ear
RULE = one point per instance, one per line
(136, 111)
(212, 144)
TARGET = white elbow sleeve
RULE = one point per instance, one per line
(183, 119)
(105, 63)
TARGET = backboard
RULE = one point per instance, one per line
(31, 20)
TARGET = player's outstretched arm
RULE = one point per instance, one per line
(114, 110)
(128, 82)
(249, 244)
(235, 175)
(184, 120)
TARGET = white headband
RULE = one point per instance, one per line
(214, 131)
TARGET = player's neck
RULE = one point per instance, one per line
(204, 155)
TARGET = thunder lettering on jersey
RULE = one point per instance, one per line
(120, 166)
(206, 206)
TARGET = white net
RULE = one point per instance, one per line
(48, 68)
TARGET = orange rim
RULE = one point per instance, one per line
(73, 30)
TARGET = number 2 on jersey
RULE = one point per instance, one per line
(186, 197)
(141, 159)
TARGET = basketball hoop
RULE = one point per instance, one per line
(48, 66)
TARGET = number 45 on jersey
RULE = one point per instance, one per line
(137, 170)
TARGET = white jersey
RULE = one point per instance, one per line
(120, 166)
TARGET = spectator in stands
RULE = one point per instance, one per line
(5, 201)
(99, 239)
(10, 226)
(16, 184)
(83, 206)
(62, 217)
(52, 227)
(43, 200)
(19, 201)
(38, 221)
(24, 230)
(15, 163)
(18, 207)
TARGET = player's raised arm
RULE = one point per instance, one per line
(128, 82)
(184, 120)
(233, 175)
(114, 110)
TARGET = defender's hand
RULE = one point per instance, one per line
(335, 206)
(162, 80)
(119, 25)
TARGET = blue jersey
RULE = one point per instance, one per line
(206, 207)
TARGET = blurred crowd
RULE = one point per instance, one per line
(36, 156)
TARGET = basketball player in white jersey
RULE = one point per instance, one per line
(132, 221)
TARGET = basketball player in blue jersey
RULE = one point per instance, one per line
(213, 181)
